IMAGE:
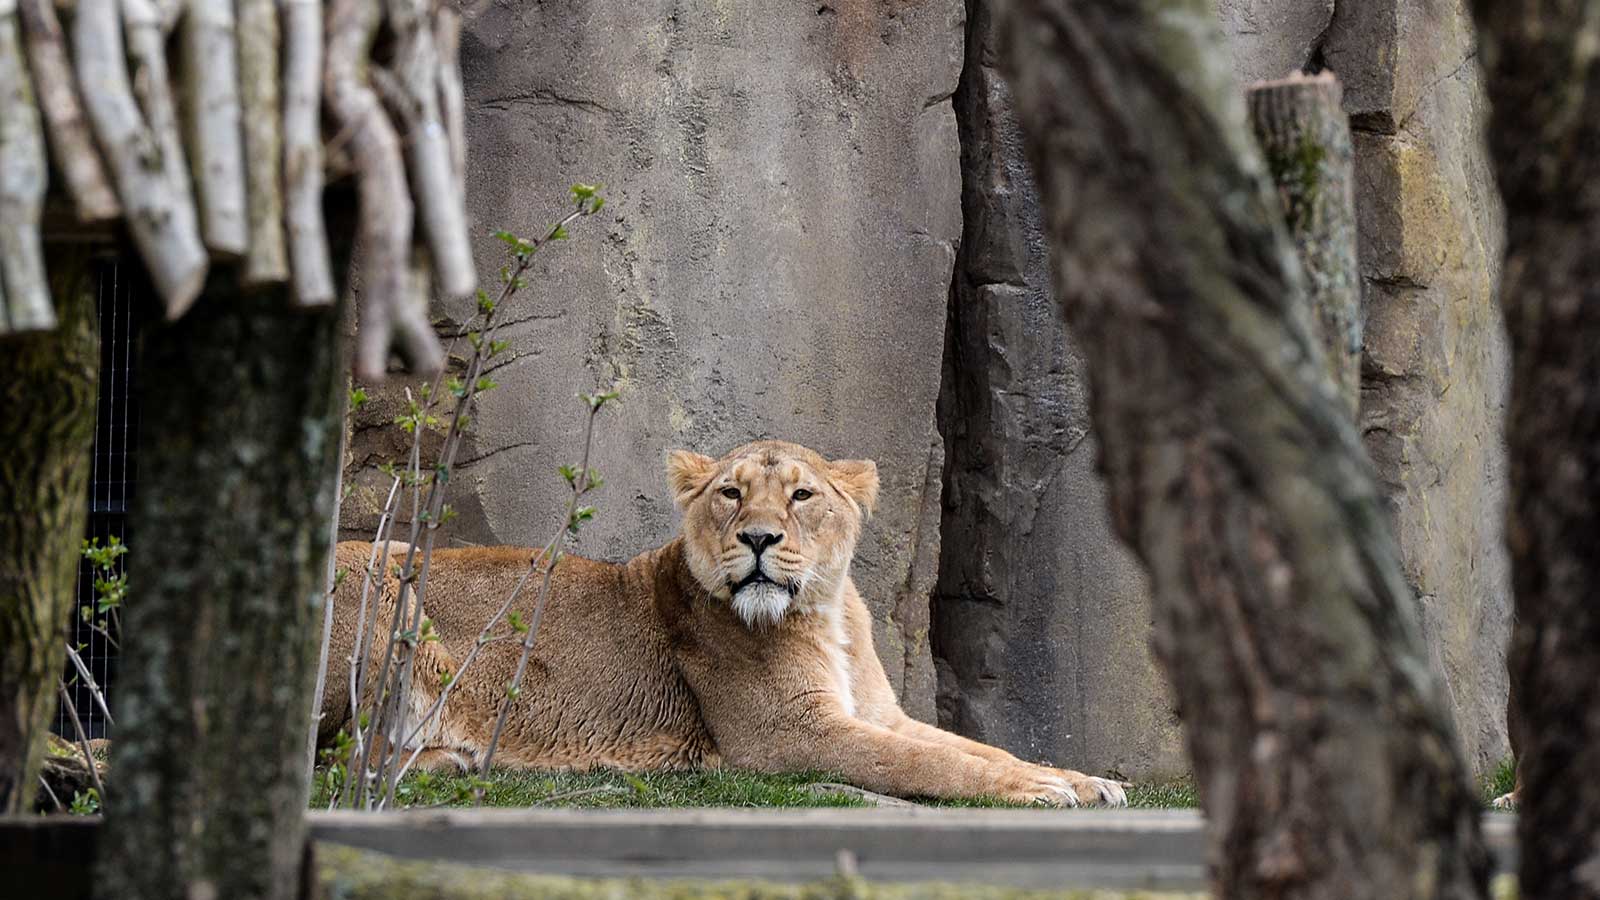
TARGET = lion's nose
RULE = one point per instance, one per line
(758, 539)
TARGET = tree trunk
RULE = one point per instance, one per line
(1305, 136)
(238, 453)
(47, 390)
(1544, 83)
(1324, 752)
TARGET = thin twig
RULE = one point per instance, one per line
(83, 741)
(94, 687)
(579, 487)
(50, 792)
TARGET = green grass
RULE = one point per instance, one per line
(1500, 781)
(606, 789)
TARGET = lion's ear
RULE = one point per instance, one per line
(859, 479)
(688, 473)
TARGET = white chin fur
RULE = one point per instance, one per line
(761, 605)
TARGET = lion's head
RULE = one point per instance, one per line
(771, 527)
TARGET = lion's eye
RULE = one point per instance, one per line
(732, 493)
(801, 494)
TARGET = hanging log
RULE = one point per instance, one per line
(25, 301)
(148, 169)
(70, 140)
(302, 152)
(452, 99)
(386, 210)
(211, 82)
(1305, 135)
(265, 261)
(428, 146)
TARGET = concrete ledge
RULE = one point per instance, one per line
(1141, 849)
(1130, 849)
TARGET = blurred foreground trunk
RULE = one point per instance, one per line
(47, 395)
(238, 455)
(1323, 748)
(1544, 83)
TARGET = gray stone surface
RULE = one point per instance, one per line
(1272, 38)
(1434, 370)
(1041, 619)
(773, 261)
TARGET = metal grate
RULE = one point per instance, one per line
(111, 483)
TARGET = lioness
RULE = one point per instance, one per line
(741, 642)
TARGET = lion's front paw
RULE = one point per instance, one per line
(1505, 801)
(1063, 787)
(1093, 791)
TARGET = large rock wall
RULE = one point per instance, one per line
(1435, 366)
(773, 261)
(1041, 621)
(1041, 617)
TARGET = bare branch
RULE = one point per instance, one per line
(25, 297)
(266, 261)
(145, 159)
(71, 143)
(211, 83)
(302, 152)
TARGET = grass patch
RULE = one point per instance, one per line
(1500, 781)
(607, 789)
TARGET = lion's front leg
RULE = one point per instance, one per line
(1088, 788)
(880, 759)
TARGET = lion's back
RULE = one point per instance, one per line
(600, 687)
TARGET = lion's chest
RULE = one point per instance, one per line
(836, 653)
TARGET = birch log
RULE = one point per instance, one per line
(211, 77)
(386, 210)
(150, 181)
(1305, 135)
(452, 99)
(440, 204)
(264, 260)
(71, 142)
(302, 152)
(26, 299)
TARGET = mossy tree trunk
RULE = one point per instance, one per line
(1324, 753)
(47, 401)
(1544, 134)
(238, 460)
(1304, 134)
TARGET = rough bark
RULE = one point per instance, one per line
(1305, 136)
(47, 389)
(1325, 756)
(238, 447)
(1544, 84)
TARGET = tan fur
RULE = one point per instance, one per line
(661, 663)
